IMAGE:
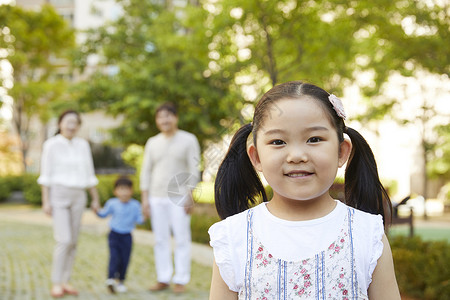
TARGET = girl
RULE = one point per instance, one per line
(67, 170)
(302, 244)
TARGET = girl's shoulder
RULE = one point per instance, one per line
(364, 219)
(234, 221)
(233, 227)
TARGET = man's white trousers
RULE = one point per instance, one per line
(167, 218)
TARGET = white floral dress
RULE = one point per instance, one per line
(329, 274)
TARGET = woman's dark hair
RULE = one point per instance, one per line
(238, 186)
(65, 113)
(123, 181)
(168, 106)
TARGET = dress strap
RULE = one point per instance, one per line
(350, 214)
(248, 266)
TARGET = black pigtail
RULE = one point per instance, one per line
(363, 189)
(237, 185)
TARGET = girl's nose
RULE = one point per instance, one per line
(297, 155)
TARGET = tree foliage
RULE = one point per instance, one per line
(329, 41)
(158, 55)
(35, 43)
(286, 40)
(401, 36)
(439, 166)
(215, 57)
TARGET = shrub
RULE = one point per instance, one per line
(31, 189)
(269, 192)
(200, 224)
(105, 187)
(15, 182)
(422, 268)
(10, 183)
(5, 189)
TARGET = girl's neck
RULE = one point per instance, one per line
(300, 210)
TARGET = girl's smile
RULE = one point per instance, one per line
(298, 174)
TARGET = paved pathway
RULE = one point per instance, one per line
(25, 260)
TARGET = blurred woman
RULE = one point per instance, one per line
(67, 171)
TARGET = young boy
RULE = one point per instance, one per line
(125, 212)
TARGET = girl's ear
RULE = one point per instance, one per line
(345, 148)
(254, 157)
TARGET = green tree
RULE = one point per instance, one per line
(330, 42)
(401, 37)
(35, 43)
(214, 58)
(409, 41)
(278, 41)
(157, 55)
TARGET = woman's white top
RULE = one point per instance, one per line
(67, 163)
(260, 255)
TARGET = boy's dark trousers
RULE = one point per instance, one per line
(119, 254)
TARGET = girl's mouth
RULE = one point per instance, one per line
(298, 174)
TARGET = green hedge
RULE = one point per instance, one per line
(15, 182)
(32, 190)
(422, 267)
(26, 183)
(5, 190)
(200, 224)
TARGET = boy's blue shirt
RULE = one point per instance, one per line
(124, 215)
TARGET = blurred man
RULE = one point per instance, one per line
(168, 176)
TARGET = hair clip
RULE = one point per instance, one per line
(337, 105)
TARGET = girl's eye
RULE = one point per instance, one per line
(314, 139)
(277, 142)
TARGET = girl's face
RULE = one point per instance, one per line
(69, 125)
(298, 151)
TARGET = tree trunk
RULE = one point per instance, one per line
(425, 179)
